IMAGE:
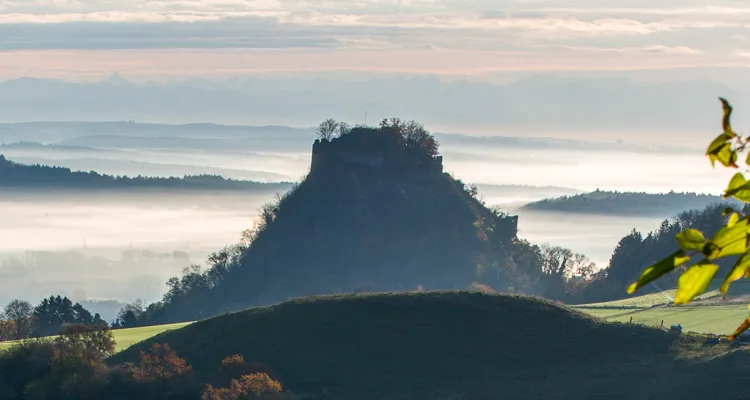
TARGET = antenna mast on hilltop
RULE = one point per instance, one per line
(365, 118)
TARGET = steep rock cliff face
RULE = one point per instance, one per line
(369, 216)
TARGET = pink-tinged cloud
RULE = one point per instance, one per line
(219, 37)
(221, 62)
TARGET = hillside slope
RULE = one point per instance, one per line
(627, 203)
(434, 345)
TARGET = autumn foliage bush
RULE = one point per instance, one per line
(161, 363)
(258, 386)
(235, 366)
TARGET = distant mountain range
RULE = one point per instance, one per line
(596, 107)
(215, 137)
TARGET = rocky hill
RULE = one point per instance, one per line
(375, 213)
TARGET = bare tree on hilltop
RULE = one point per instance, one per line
(416, 137)
(327, 129)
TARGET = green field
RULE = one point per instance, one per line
(706, 314)
(127, 337)
(721, 320)
(652, 299)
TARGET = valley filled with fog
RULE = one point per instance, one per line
(125, 245)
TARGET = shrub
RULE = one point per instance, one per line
(258, 386)
(159, 364)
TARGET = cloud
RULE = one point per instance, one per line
(688, 35)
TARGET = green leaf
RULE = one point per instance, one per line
(727, 211)
(694, 281)
(725, 155)
(691, 239)
(729, 241)
(721, 150)
(739, 188)
(726, 124)
(662, 267)
(733, 219)
(740, 269)
(717, 143)
(737, 181)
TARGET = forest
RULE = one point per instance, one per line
(626, 203)
(17, 175)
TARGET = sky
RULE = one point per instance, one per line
(84, 39)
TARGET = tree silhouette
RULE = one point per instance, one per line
(21, 313)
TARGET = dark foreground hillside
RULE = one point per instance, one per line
(449, 345)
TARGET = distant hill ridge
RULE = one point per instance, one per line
(627, 203)
(18, 175)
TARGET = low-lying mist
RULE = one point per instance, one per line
(126, 246)
(112, 245)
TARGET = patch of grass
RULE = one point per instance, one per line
(649, 300)
(737, 291)
(434, 345)
(708, 313)
(127, 337)
(720, 320)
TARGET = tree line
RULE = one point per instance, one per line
(415, 139)
(625, 203)
(19, 319)
(637, 250)
(23, 175)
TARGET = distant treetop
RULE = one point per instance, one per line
(391, 135)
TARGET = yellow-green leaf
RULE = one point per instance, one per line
(727, 211)
(740, 269)
(717, 143)
(741, 329)
(660, 268)
(737, 181)
(727, 157)
(738, 187)
(720, 150)
(732, 220)
(729, 241)
(691, 239)
(725, 121)
(694, 281)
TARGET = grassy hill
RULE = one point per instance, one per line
(125, 338)
(441, 345)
